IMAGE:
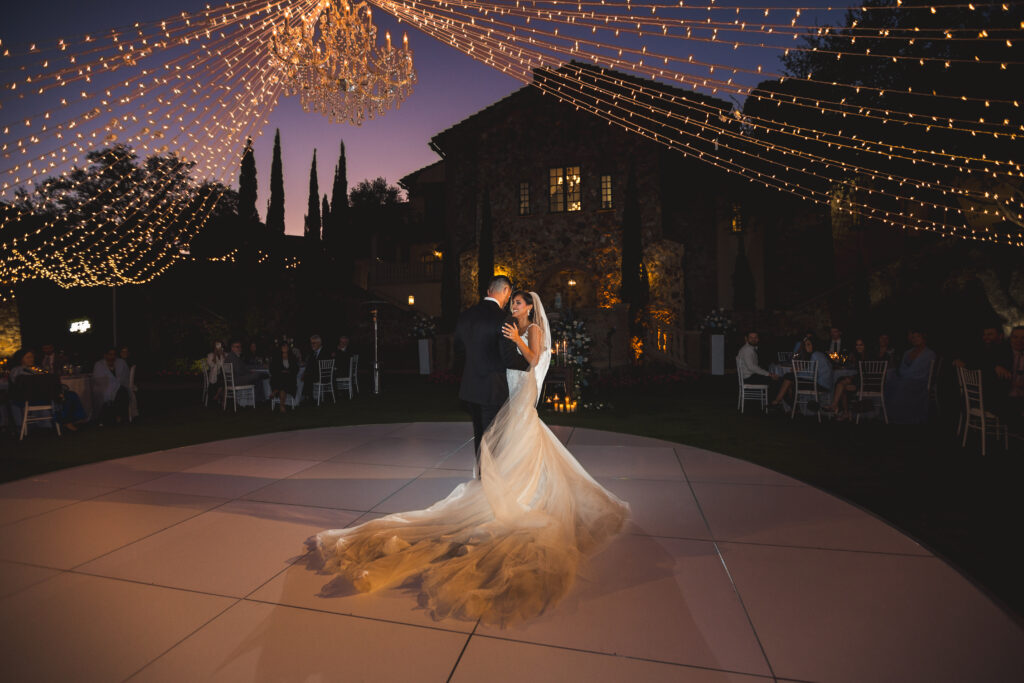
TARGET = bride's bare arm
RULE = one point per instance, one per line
(530, 347)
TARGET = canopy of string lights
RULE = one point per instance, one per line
(907, 114)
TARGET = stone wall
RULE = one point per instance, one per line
(10, 328)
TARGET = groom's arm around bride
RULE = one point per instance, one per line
(484, 385)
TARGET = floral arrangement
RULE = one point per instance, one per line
(571, 348)
(570, 343)
(423, 327)
(718, 321)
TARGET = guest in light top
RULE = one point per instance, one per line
(110, 387)
(214, 365)
(753, 373)
(906, 389)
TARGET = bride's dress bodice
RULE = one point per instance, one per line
(500, 548)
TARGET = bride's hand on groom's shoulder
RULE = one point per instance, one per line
(510, 331)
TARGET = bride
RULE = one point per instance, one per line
(503, 547)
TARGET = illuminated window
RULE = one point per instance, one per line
(564, 189)
(606, 192)
(556, 189)
(573, 194)
(524, 199)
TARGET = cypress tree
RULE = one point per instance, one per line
(313, 223)
(247, 187)
(485, 247)
(635, 282)
(334, 230)
(275, 206)
(325, 216)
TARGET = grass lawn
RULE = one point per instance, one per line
(965, 508)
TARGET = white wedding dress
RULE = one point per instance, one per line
(500, 548)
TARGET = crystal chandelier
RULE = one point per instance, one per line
(329, 57)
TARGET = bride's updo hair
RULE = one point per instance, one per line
(528, 298)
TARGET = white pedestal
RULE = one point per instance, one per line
(425, 355)
(718, 354)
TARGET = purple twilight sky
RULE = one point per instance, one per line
(451, 87)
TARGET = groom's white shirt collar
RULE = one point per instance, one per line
(491, 298)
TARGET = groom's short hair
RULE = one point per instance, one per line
(499, 283)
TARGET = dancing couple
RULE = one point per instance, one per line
(505, 545)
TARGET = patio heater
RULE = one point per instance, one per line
(374, 309)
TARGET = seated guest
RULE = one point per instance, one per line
(252, 358)
(342, 355)
(848, 385)
(1013, 412)
(110, 387)
(906, 389)
(243, 375)
(753, 373)
(284, 372)
(823, 379)
(125, 354)
(50, 360)
(799, 346)
(23, 363)
(992, 356)
(835, 341)
(885, 350)
(312, 372)
(214, 365)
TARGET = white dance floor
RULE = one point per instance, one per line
(189, 565)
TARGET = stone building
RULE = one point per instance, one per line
(555, 180)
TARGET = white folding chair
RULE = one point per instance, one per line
(872, 384)
(805, 385)
(326, 382)
(244, 394)
(346, 382)
(750, 392)
(974, 410)
(133, 398)
(40, 391)
(784, 356)
(355, 371)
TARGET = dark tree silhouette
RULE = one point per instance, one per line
(313, 223)
(247, 187)
(485, 246)
(275, 206)
(325, 216)
(334, 230)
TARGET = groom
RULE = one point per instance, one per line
(484, 384)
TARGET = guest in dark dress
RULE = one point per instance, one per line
(848, 385)
(284, 371)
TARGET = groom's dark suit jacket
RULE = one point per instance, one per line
(488, 355)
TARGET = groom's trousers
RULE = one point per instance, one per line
(483, 416)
